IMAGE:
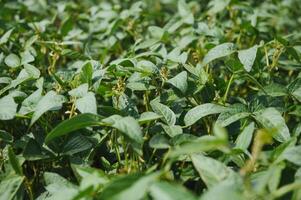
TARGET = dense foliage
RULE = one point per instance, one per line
(152, 99)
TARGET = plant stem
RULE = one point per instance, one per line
(228, 88)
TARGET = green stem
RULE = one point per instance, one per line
(228, 88)
(285, 189)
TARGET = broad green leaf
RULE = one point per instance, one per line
(297, 93)
(58, 187)
(212, 171)
(147, 117)
(168, 191)
(90, 177)
(140, 86)
(8, 108)
(75, 145)
(147, 66)
(244, 139)
(185, 12)
(32, 71)
(75, 123)
(159, 141)
(180, 81)
(271, 119)
(133, 186)
(87, 103)
(176, 56)
(202, 144)
(30, 103)
(168, 116)
(201, 111)
(26, 57)
(51, 101)
(233, 113)
(5, 137)
(12, 60)
(172, 130)
(221, 191)
(247, 57)
(9, 186)
(156, 32)
(275, 90)
(130, 127)
(293, 154)
(80, 91)
(219, 51)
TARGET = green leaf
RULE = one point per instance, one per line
(9, 186)
(148, 116)
(293, 154)
(212, 171)
(219, 51)
(48, 102)
(244, 139)
(87, 103)
(75, 145)
(222, 190)
(172, 130)
(130, 127)
(201, 111)
(80, 91)
(5, 137)
(271, 119)
(8, 108)
(140, 86)
(176, 56)
(233, 113)
(202, 144)
(30, 103)
(147, 66)
(247, 57)
(180, 81)
(167, 191)
(185, 12)
(6, 36)
(159, 141)
(168, 115)
(133, 186)
(14, 161)
(26, 57)
(12, 60)
(75, 123)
